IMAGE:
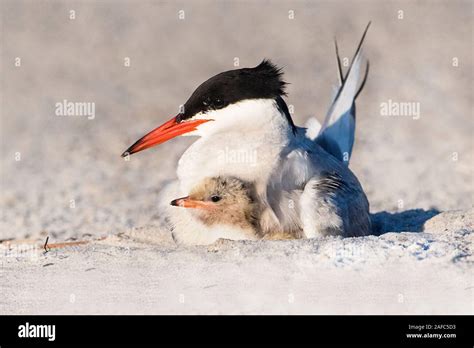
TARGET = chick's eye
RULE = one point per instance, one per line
(215, 198)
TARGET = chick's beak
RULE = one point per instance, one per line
(187, 202)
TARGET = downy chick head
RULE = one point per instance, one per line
(223, 200)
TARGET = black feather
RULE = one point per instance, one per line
(265, 81)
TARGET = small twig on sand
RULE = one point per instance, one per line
(46, 245)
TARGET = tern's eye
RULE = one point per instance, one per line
(213, 103)
(216, 198)
(218, 102)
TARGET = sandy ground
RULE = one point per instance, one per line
(62, 176)
(396, 273)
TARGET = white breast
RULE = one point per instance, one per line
(244, 140)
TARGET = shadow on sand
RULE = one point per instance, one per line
(405, 221)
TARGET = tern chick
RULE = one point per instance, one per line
(220, 201)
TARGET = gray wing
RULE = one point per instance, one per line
(332, 206)
(317, 193)
(336, 135)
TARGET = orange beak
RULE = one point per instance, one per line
(186, 202)
(165, 132)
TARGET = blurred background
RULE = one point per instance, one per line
(63, 175)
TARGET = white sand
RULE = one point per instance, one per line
(72, 183)
(396, 273)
